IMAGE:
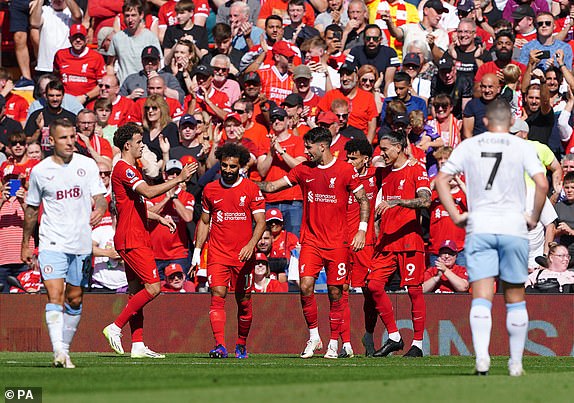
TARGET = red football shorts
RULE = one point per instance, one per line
(359, 265)
(232, 277)
(411, 265)
(140, 264)
(335, 261)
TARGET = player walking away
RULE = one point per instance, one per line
(132, 239)
(327, 184)
(405, 190)
(496, 226)
(359, 154)
(230, 205)
(65, 184)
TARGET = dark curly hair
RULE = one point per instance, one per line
(234, 151)
(125, 134)
(362, 146)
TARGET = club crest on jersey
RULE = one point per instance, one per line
(117, 115)
(48, 269)
(130, 174)
(84, 67)
(242, 200)
(372, 181)
(401, 184)
(332, 183)
(81, 172)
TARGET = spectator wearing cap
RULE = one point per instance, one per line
(354, 31)
(427, 30)
(420, 85)
(127, 45)
(79, 67)
(135, 85)
(330, 121)
(374, 53)
(283, 243)
(281, 152)
(262, 280)
(340, 107)
(537, 6)
(203, 96)
(296, 122)
(297, 31)
(363, 114)
(189, 142)
(175, 280)
(503, 50)
(402, 83)
(251, 84)
(221, 65)
(279, 8)
(172, 247)
(523, 17)
(475, 110)
(447, 82)
(545, 41)
(446, 276)
(54, 22)
(184, 29)
(156, 86)
(402, 13)
(302, 77)
(277, 80)
(336, 13)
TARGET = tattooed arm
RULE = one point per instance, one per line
(422, 200)
(275, 186)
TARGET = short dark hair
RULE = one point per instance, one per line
(16, 137)
(569, 177)
(60, 122)
(55, 85)
(333, 28)
(221, 32)
(273, 17)
(184, 5)
(318, 135)
(233, 150)
(373, 26)
(362, 146)
(401, 76)
(139, 5)
(248, 104)
(125, 133)
(296, 3)
(395, 137)
(506, 33)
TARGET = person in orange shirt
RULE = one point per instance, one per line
(279, 7)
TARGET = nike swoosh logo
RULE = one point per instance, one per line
(309, 180)
(217, 201)
(65, 66)
(49, 178)
(340, 278)
(409, 278)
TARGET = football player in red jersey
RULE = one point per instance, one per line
(404, 191)
(230, 205)
(132, 239)
(326, 183)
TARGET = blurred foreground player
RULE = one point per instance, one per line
(496, 226)
(132, 239)
(230, 205)
(65, 184)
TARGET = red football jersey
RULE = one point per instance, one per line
(283, 245)
(441, 226)
(166, 245)
(100, 144)
(12, 170)
(231, 209)
(326, 190)
(122, 110)
(274, 85)
(175, 109)
(272, 285)
(444, 285)
(400, 227)
(16, 107)
(80, 74)
(131, 231)
(219, 98)
(168, 17)
(338, 147)
(369, 182)
(362, 108)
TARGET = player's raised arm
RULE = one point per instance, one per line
(275, 186)
(151, 191)
(443, 189)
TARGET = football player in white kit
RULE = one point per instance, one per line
(67, 185)
(496, 226)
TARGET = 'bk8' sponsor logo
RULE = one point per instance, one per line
(74, 193)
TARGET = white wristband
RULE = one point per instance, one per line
(196, 259)
(363, 226)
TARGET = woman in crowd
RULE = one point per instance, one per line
(157, 125)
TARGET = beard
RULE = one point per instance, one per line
(229, 177)
(503, 55)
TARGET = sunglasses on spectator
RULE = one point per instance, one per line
(276, 118)
(441, 106)
(275, 222)
(342, 115)
(18, 143)
(240, 111)
(106, 86)
(543, 23)
(222, 69)
(175, 275)
(324, 125)
(105, 173)
(151, 108)
(372, 38)
(410, 66)
(199, 121)
(367, 80)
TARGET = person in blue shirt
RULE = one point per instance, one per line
(402, 82)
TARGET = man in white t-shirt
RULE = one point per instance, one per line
(496, 226)
(66, 184)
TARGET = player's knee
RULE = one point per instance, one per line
(375, 286)
(335, 292)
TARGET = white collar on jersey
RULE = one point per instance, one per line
(329, 165)
(225, 185)
(404, 165)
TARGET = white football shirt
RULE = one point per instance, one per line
(66, 193)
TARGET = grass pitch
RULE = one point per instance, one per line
(280, 378)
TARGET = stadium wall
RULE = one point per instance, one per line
(179, 323)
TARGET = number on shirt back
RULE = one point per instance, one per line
(342, 270)
(498, 158)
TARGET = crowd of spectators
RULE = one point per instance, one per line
(199, 74)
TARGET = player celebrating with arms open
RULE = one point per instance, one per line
(327, 184)
(230, 205)
(65, 184)
(132, 239)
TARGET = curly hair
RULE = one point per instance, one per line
(233, 150)
(125, 133)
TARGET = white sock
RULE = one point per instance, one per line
(55, 323)
(138, 345)
(418, 343)
(395, 336)
(481, 325)
(347, 345)
(333, 345)
(71, 319)
(314, 333)
(517, 327)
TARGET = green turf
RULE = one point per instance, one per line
(281, 378)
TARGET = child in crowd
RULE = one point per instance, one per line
(511, 92)
(103, 109)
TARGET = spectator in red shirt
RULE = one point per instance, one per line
(156, 85)
(277, 80)
(283, 243)
(122, 107)
(262, 281)
(16, 105)
(331, 122)
(446, 276)
(175, 280)
(8, 126)
(98, 147)
(203, 96)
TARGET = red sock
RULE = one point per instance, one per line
(383, 305)
(369, 311)
(135, 303)
(418, 311)
(244, 319)
(217, 319)
(310, 310)
(336, 315)
(346, 325)
(136, 326)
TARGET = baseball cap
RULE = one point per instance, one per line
(524, 10)
(173, 268)
(445, 63)
(203, 70)
(78, 29)
(252, 77)
(187, 159)
(348, 66)
(273, 214)
(412, 58)
(302, 71)
(150, 52)
(437, 5)
(233, 115)
(293, 100)
(2, 102)
(277, 111)
(465, 5)
(187, 119)
(261, 257)
(401, 119)
(103, 33)
(173, 164)
(283, 48)
(327, 117)
(519, 126)
(449, 244)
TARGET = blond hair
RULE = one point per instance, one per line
(511, 73)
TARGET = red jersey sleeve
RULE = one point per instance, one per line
(130, 178)
(421, 178)
(257, 200)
